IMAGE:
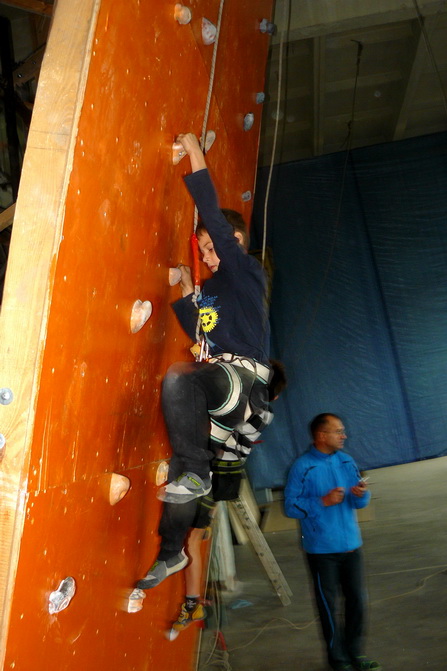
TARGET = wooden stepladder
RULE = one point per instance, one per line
(262, 549)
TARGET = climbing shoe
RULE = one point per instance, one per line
(185, 619)
(185, 488)
(161, 570)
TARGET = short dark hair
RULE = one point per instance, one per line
(279, 380)
(236, 222)
(319, 421)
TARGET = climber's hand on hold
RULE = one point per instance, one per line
(191, 145)
(186, 283)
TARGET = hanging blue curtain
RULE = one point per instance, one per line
(359, 302)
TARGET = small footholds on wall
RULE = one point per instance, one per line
(209, 140)
(246, 196)
(175, 275)
(260, 97)
(162, 473)
(6, 396)
(249, 120)
(171, 634)
(141, 311)
(209, 32)
(267, 27)
(60, 598)
(178, 152)
(135, 602)
(2, 446)
(119, 486)
(182, 14)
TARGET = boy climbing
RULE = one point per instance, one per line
(231, 457)
(203, 402)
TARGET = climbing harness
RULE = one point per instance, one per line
(262, 371)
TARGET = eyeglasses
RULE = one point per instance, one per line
(339, 432)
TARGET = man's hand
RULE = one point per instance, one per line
(334, 497)
(186, 283)
(359, 489)
(192, 147)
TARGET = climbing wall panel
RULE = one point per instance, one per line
(100, 219)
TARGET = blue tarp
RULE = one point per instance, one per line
(359, 302)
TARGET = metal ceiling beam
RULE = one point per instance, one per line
(418, 65)
(341, 120)
(310, 18)
(319, 45)
(376, 79)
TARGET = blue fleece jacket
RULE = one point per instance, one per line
(232, 304)
(325, 529)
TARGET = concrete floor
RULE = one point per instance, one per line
(405, 547)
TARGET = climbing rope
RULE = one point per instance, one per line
(210, 93)
(194, 240)
(300, 347)
(286, 15)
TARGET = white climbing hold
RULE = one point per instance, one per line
(162, 473)
(140, 314)
(119, 486)
(209, 32)
(171, 634)
(182, 14)
(175, 275)
(61, 597)
(135, 602)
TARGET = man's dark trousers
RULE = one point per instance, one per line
(332, 573)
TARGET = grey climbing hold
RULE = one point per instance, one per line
(267, 27)
(6, 396)
(249, 121)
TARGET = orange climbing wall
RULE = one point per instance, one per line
(101, 216)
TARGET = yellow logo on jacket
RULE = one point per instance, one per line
(209, 318)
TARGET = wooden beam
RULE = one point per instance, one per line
(30, 68)
(7, 217)
(35, 241)
(33, 6)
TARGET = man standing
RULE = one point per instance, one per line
(323, 490)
